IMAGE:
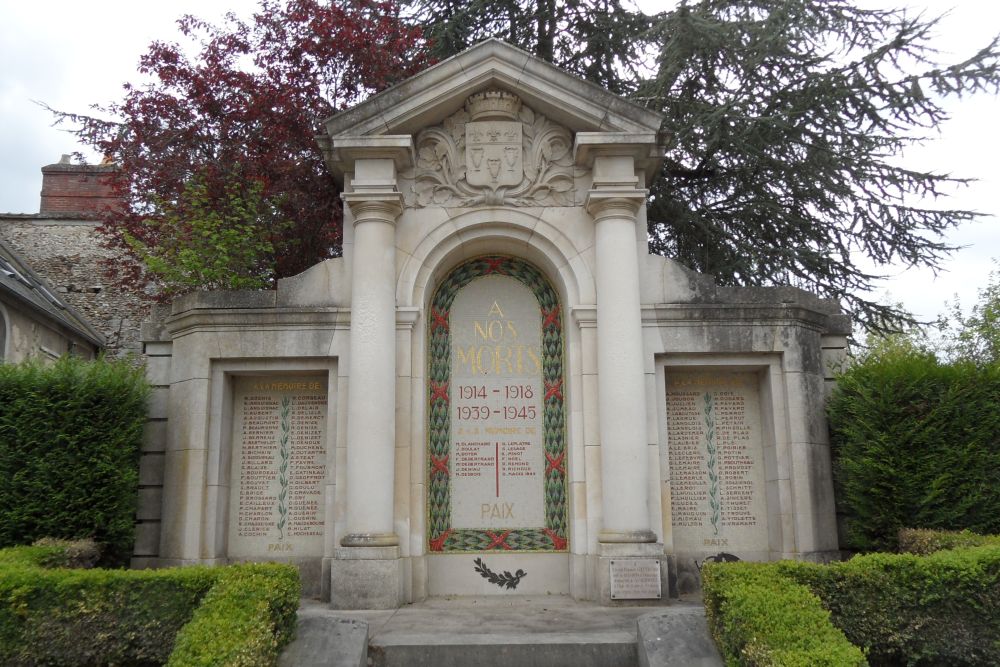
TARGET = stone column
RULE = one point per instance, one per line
(614, 202)
(621, 382)
(367, 572)
(371, 409)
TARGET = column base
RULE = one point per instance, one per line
(633, 551)
(370, 540)
(626, 536)
(366, 578)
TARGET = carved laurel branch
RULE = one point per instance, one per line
(504, 580)
(439, 177)
(284, 454)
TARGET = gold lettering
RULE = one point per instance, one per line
(496, 511)
(472, 358)
(495, 330)
(479, 330)
(495, 310)
(511, 330)
(498, 359)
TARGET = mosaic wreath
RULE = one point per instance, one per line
(442, 537)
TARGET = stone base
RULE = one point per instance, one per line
(366, 578)
(608, 552)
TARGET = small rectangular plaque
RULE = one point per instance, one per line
(635, 579)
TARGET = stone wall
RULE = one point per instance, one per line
(68, 254)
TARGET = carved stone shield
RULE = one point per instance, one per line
(493, 154)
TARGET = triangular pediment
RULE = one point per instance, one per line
(428, 98)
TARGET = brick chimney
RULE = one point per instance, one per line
(76, 190)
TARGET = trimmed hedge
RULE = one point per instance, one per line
(759, 617)
(95, 617)
(922, 542)
(941, 609)
(901, 609)
(244, 621)
(915, 442)
(241, 615)
(70, 436)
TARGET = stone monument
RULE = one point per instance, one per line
(496, 390)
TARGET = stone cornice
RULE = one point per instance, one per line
(721, 314)
(734, 314)
(646, 149)
(341, 153)
(251, 319)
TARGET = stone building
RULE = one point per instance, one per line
(61, 243)
(496, 390)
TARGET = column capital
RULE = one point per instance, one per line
(378, 206)
(614, 203)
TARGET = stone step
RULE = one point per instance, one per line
(606, 649)
(545, 631)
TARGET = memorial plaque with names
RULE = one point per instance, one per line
(278, 474)
(716, 461)
(635, 579)
(496, 457)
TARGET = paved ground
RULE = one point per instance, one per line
(543, 631)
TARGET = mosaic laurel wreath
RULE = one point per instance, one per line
(442, 537)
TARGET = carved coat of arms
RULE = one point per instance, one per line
(493, 152)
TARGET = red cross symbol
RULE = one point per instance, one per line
(498, 540)
(439, 465)
(439, 390)
(493, 265)
(437, 544)
(555, 463)
(440, 319)
(552, 389)
(551, 317)
(558, 542)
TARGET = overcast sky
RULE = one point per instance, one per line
(72, 54)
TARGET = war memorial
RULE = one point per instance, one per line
(496, 390)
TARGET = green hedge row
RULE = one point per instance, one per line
(237, 615)
(922, 541)
(901, 609)
(915, 442)
(70, 436)
(244, 621)
(941, 609)
(759, 617)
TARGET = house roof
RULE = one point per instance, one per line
(19, 283)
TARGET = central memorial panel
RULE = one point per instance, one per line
(496, 463)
